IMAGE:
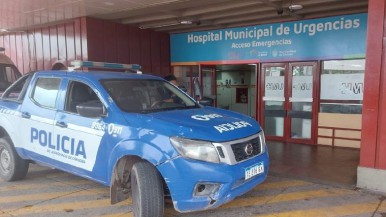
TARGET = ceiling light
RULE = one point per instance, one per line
(186, 22)
(295, 7)
(108, 3)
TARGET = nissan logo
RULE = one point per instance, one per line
(248, 149)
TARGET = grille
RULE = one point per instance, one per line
(239, 149)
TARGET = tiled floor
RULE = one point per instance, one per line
(317, 163)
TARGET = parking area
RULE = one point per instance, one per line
(48, 192)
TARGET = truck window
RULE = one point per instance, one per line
(17, 89)
(46, 91)
(78, 93)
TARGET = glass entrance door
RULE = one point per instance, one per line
(274, 100)
(301, 101)
(208, 81)
(288, 101)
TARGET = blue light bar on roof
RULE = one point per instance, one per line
(79, 63)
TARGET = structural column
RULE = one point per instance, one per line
(372, 166)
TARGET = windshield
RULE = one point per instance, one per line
(138, 95)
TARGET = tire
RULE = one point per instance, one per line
(12, 167)
(146, 190)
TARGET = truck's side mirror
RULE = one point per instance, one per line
(91, 109)
(206, 101)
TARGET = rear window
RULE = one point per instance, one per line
(46, 91)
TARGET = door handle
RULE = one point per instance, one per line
(25, 115)
(61, 124)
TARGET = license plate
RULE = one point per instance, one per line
(254, 170)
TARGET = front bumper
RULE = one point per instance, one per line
(182, 175)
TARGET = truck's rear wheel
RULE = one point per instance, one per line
(147, 190)
(12, 167)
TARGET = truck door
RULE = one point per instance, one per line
(80, 136)
(37, 117)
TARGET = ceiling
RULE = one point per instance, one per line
(173, 16)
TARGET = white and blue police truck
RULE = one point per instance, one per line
(138, 134)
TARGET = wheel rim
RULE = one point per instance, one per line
(5, 160)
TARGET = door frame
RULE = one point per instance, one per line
(287, 104)
(262, 94)
(315, 101)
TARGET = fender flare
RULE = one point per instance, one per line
(130, 151)
(146, 151)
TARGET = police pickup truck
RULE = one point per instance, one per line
(116, 128)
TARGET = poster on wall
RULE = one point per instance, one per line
(315, 39)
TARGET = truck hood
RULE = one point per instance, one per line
(206, 123)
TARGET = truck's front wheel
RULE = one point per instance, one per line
(147, 190)
(12, 167)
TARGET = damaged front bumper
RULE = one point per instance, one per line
(197, 185)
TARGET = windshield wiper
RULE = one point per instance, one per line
(172, 108)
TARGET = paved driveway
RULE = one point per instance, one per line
(46, 192)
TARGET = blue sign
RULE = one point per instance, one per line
(340, 37)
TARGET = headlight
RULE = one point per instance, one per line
(195, 149)
(262, 140)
